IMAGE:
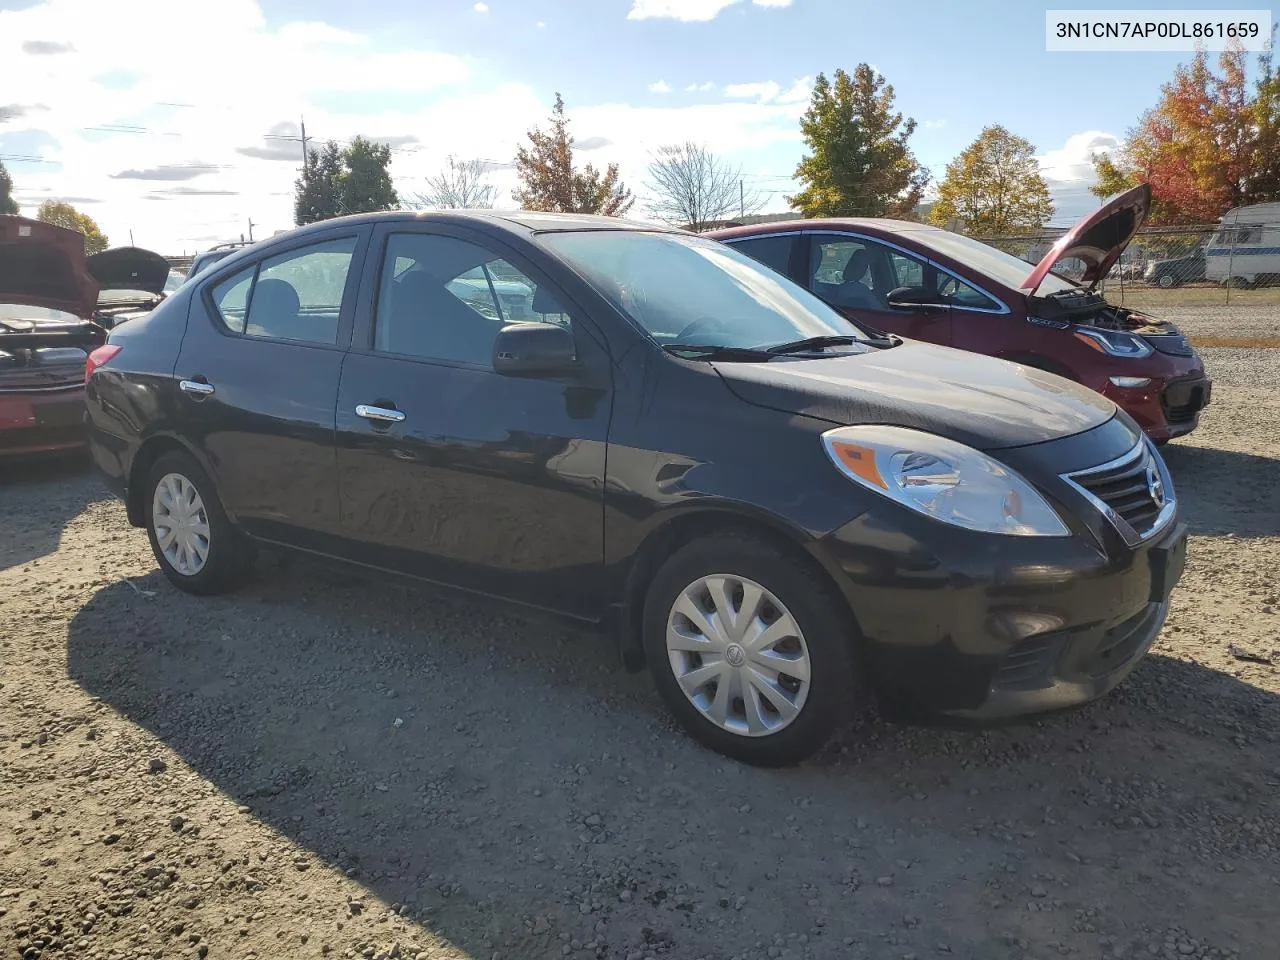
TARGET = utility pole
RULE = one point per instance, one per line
(131, 238)
(304, 138)
(742, 202)
(251, 226)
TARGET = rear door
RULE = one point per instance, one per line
(258, 374)
(856, 273)
(450, 471)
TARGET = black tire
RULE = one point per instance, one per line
(228, 558)
(1166, 280)
(821, 615)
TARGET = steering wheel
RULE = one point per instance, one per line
(701, 325)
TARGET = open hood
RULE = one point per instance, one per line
(1098, 239)
(44, 266)
(129, 268)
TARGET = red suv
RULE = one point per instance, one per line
(929, 284)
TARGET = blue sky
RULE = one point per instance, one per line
(157, 116)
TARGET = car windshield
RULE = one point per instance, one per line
(988, 260)
(683, 289)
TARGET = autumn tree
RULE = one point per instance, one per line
(859, 161)
(1264, 187)
(337, 181)
(994, 186)
(1198, 147)
(693, 187)
(549, 181)
(460, 185)
(7, 203)
(65, 215)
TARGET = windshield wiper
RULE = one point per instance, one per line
(814, 343)
(712, 351)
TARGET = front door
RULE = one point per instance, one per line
(450, 471)
(855, 274)
(258, 379)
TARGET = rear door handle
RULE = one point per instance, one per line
(196, 388)
(379, 414)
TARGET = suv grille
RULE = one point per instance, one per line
(1132, 491)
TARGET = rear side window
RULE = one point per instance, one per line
(293, 296)
(231, 298)
(773, 252)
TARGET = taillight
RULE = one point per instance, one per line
(98, 357)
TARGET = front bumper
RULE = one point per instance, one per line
(986, 627)
(1165, 408)
(41, 422)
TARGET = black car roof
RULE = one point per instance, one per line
(513, 221)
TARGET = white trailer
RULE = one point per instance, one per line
(1245, 249)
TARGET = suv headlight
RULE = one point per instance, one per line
(1115, 343)
(942, 479)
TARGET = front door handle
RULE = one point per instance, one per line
(379, 414)
(196, 388)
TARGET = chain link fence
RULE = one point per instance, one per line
(1220, 283)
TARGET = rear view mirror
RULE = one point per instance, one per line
(533, 349)
(915, 298)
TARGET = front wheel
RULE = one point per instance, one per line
(1165, 280)
(750, 651)
(192, 539)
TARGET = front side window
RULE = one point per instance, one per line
(292, 296)
(859, 274)
(691, 290)
(446, 299)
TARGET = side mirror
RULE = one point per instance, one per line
(915, 298)
(533, 349)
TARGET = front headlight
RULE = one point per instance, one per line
(942, 479)
(1115, 343)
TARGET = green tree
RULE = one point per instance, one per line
(366, 179)
(550, 182)
(7, 203)
(859, 162)
(65, 215)
(317, 195)
(1264, 186)
(339, 181)
(994, 186)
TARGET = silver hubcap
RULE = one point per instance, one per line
(181, 524)
(738, 655)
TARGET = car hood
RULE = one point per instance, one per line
(980, 401)
(129, 268)
(1098, 239)
(44, 266)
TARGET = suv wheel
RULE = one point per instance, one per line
(752, 655)
(191, 537)
(1165, 280)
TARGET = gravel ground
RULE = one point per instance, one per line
(317, 766)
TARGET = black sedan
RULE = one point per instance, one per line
(774, 510)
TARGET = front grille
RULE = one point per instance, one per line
(1174, 344)
(1122, 643)
(1183, 399)
(1132, 489)
(1029, 665)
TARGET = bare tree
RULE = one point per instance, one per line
(460, 184)
(693, 187)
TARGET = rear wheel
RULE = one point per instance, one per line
(749, 650)
(1165, 280)
(192, 539)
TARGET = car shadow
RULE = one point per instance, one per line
(38, 497)
(512, 791)
(1225, 492)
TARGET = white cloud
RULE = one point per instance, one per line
(1071, 160)
(689, 11)
(798, 92)
(699, 87)
(933, 124)
(193, 119)
(540, 24)
(481, 8)
(659, 86)
(763, 92)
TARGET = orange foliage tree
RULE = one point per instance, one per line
(1198, 147)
